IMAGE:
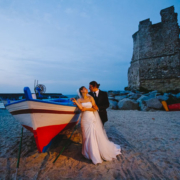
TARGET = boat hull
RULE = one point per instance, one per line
(44, 119)
(174, 107)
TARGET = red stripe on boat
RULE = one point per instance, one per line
(28, 128)
(44, 135)
(174, 107)
(29, 111)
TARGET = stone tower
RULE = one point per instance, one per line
(155, 63)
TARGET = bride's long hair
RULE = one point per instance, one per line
(80, 89)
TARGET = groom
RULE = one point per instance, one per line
(101, 100)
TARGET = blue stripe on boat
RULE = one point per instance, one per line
(47, 102)
(45, 148)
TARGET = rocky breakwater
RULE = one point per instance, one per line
(144, 101)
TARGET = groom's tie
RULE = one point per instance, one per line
(94, 95)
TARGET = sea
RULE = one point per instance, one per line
(70, 96)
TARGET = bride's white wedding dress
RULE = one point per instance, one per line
(96, 145)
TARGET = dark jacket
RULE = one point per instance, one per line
(102, 103)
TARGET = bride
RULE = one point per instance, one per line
(96, 145)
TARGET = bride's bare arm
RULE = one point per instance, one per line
(91, 99)
(77, 103)
(94, 106)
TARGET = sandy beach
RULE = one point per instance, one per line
(150, 144)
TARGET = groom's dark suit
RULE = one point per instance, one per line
(102, 103)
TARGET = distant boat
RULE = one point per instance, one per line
(45, 119)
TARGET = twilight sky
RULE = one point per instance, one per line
(68, 43)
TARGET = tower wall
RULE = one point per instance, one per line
(156, 54)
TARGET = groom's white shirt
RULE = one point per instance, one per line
(97, 93)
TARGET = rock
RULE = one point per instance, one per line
(153, 103)
(117, 93)
(110, 97)
(152, 94)
(146, 103)
(127, 104)
(173, 95)
(131, 93)
(162, 97)
(138, 92)
(143, 98)
(113, 93)
(113, 104)
(119, 97)
(167, 94)
(124, 92)
(135, 96)
(143, 106)
(147, 94)
(142, 103)
(178, 95)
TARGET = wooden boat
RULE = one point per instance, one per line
(174, 107)
(172, 104)
(45, 119)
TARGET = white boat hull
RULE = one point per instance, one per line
(44, 119)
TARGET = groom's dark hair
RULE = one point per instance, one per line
(81, 89)
(94, 84)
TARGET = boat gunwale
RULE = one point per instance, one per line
(48, 102)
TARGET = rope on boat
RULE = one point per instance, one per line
(68, 142)
(19, 152)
